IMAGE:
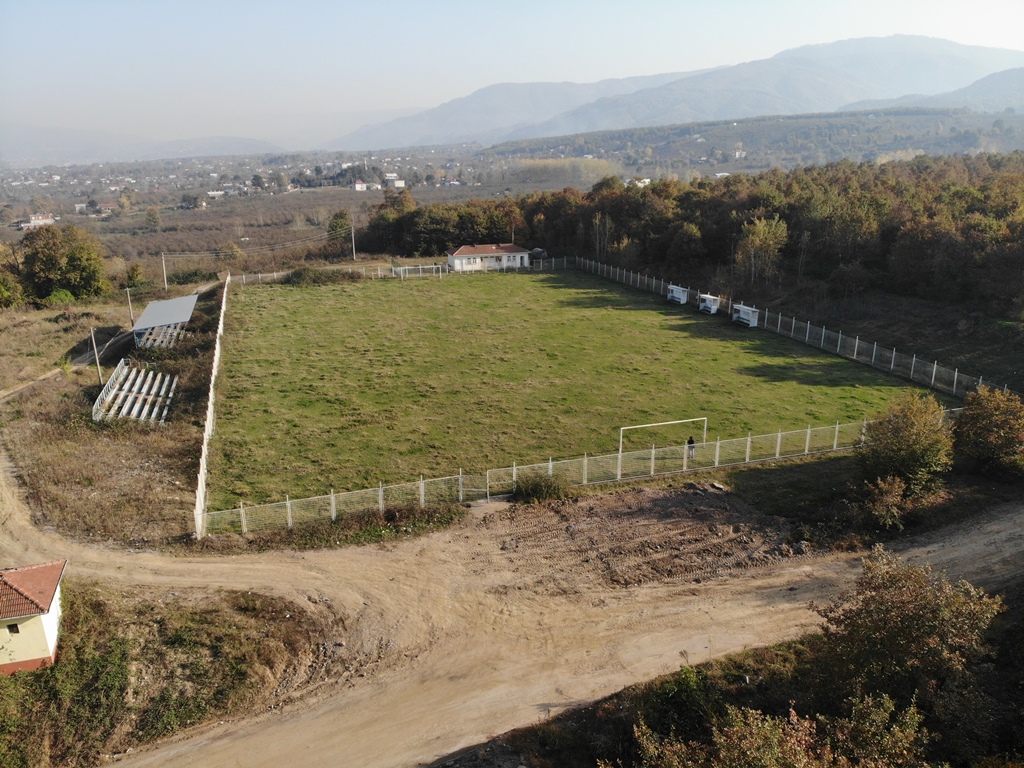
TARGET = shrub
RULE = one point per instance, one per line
(59, 298)
(190, 276)
(884, 502)
(911, 441)
(989, 432)
(11, 294)
(314, 276)
(533, 489)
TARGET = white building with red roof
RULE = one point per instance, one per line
(29, 615)
(488, 258)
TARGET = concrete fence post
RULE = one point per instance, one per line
(935, 367)
(380, 497)
(334, 507)
(461, 488)
(585, 469)
(423, 489)
(288, 506)
(241, 514)
(807, 441)
(835, 440)
(652, 461)
(778, 444)
(746, 459)
(718, 449)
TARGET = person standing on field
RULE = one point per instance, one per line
(690, 446)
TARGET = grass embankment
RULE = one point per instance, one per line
(350, 385)
(135, 667)
(118, 479)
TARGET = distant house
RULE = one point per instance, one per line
(485, 258)
(392, 181)
(359, 186)
(29, 616)
(38, 220)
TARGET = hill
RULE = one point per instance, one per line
(809, 79)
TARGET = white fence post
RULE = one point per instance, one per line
(462, 494)
(807, 441)
(835, 440)
(584, 469)
(778, 444)
(380, 496)
(515, 476)
(422, 492)
(839, 343)
(288, 506)
(935, 367)
(334, 507)
(551, 467)
(718, 448)
(956, 372)
(241, 514)
(746, 459)
(892, 365)
(652, 461)
(913, 364)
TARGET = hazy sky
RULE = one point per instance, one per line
(184, 69)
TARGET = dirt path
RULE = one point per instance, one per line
(509, 617)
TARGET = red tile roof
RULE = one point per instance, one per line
(29, 590)
(487, 250)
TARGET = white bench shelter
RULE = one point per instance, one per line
(744, 315)
(678, 294)
(709, 303)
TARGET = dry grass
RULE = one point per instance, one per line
(115, 480)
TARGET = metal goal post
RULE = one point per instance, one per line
(622, 431)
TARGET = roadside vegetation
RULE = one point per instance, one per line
(134, 667)
(910, 670)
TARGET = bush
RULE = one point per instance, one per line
(911, 441)
(534, 489)
(11, 294)
(314, 276)
(989, 432)
(884, 502)
(190, 276)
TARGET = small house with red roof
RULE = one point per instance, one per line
(488, 258)
(29, 615)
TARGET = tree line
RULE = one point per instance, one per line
(945, 228)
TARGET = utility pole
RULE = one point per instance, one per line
(130, 312)
(352, 229)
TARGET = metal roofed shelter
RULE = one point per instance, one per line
(747, 316)
(678, 294)
(163, 322)
(709, 303)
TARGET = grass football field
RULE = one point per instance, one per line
(344, 386)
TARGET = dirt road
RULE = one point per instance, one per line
(513, 615)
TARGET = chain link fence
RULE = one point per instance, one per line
(907, 366)
(589, 470)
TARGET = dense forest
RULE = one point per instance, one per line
(946, 228)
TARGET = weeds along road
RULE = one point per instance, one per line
(504, 619)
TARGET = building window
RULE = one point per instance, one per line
(13, 629)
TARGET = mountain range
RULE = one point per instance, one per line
(861, 73)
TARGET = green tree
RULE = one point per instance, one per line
(126, 199)
(11, 294)
(153, 218)
(258, 182)
(761, 242)
(62, 258)
(990, 431)
(910, 441)
(339, 235)
(904, 630)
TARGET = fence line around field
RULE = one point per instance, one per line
(200, 511)
(911, 367)
(373, 503)
(398, 272)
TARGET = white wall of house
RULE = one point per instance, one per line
(30, 639)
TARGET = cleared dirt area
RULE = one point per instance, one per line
(440, 643)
